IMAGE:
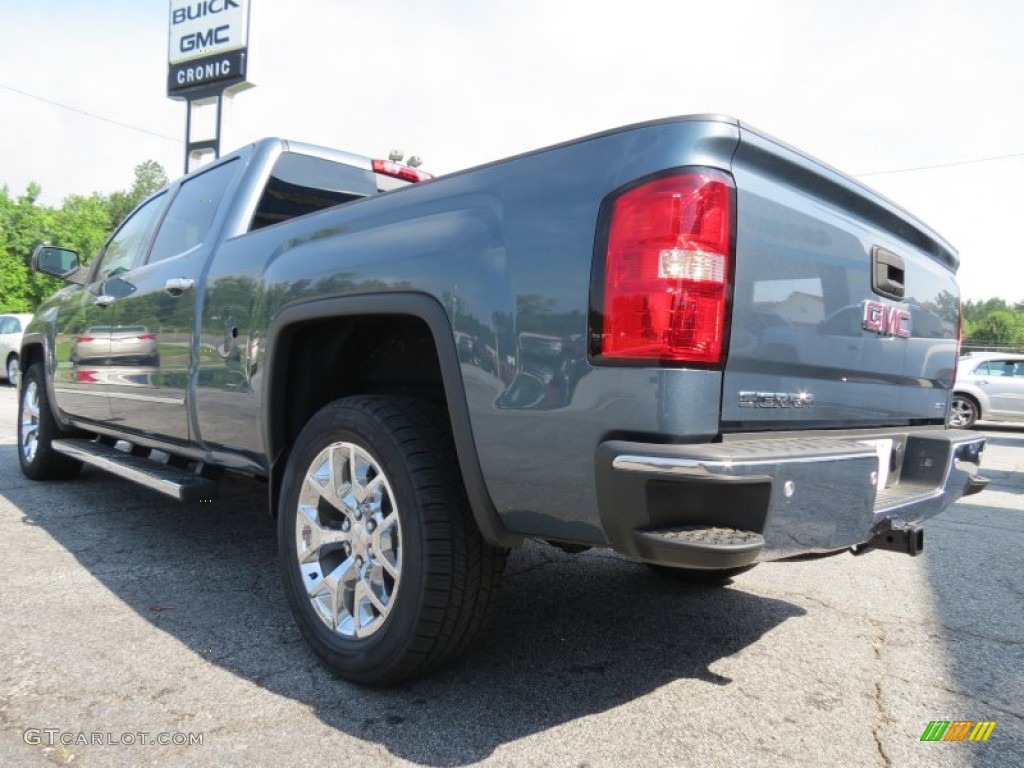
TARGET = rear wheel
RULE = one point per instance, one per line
(385, 570)
(13, 368)
(37, 429)
(963, 412)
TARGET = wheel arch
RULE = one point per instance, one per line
(32, 350)
(287, 348)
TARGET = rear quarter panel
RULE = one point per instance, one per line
(506, 249)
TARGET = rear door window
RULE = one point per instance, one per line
(192, 212)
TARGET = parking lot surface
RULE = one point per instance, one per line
(129, 619)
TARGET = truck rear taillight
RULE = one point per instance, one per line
(666, 271)
(399, 171)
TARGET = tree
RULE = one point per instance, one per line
(22, 225)
(1000, 327)
(81, 223)
(976, 311)
(149, 177)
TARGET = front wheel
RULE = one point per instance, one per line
(37, 429)
(13, 369)
(384, 568)
(963, 412)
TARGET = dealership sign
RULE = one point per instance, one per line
(207, 45)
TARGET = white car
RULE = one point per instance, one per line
(989, 385)
(12, 328)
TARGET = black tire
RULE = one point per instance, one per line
(699, 575)
(439, 595)
(39, 461)
(963, 411)
(11, 370)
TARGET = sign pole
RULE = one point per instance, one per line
(188, 131)
(198, 148)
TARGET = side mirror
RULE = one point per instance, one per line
(59, 262)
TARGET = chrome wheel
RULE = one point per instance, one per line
(962, 413)
(38, 428)
(13, 369)
(349, 540)
(383, 565)
(29, 442)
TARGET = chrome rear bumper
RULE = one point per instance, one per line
(802, 494)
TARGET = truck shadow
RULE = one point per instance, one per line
(973, 565)
(570, 636)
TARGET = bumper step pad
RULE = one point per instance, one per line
(692, 546)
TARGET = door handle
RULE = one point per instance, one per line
(179, 285)
(888, 273)
(104, 300)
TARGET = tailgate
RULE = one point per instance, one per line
(845, 310)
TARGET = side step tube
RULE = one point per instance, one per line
(177, 483)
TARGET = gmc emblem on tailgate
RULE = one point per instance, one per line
(886, 321)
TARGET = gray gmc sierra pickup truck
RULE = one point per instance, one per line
(682, 340)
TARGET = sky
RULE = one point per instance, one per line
(872, 87)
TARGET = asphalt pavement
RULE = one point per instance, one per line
(139, 631)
